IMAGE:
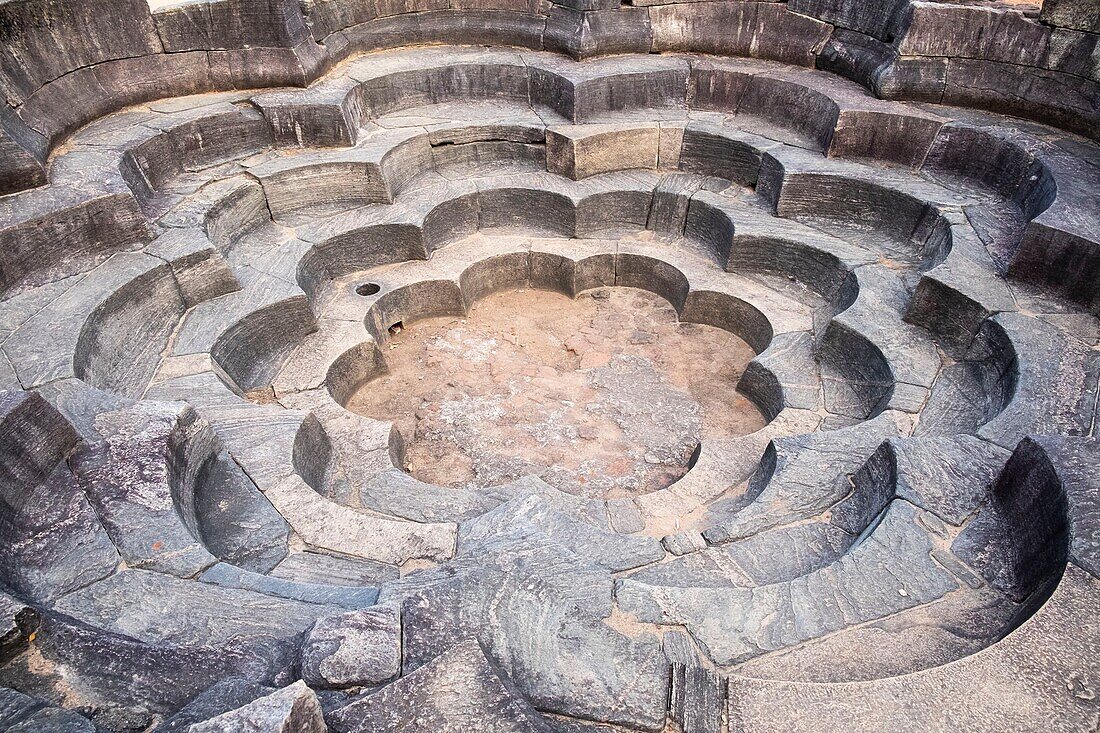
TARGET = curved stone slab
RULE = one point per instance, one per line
(1034, 678)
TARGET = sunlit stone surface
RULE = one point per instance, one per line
(583, 367)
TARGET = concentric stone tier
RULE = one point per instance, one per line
(200, 535)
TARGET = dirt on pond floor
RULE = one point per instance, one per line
(607, 395)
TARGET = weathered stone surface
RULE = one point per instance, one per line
(1057, 249)
(897, 269)
(1054, 375)
(226, 695)
(800, 477)
(165, 612)
(21, 168)
(592, 32)
(624, 516)
(230, 576)
(120, 314)
(607, 550)
(790, 37)
(330, 527)
(949, 477)
(785, 375)
(229, 25)
(698, 692)
(293, 708)
(233, 519)
(1075, 461)
(1080, 14)
(925, 637)
(21, 714)
(458, 690)
(111, 670)
(580, 152)
(768, 557)
(553, 644)
(974, 32)
(141, 476)
(889, 572)
(53, 542)
(874, 18)
(1020, 537)
(1063, 100)
(311, 567)
(13, 615)
(353, 649)
(955, 297)
(198, 267)
(683, 543)
(1022, 680)
(80, 35)
(716, 151)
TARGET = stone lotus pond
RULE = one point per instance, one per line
(664, 367)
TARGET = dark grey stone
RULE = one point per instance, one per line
(577, 666)
(22, 714)
(293, 708)
(949, 477)
(138, 475)
(1054, 380)
(458, 690)
(198, 267)
(877, 18)
(355, 649)
(117, 670)
(890, 571)
(1080, 14)
(80, 35)
(221, 697)
(315, 568)
(1076, 460)
(17, 620)
(156, 608)
(698, 693)
(533, 513)
(757, 30)
(1020, 538)
(801, 477)
(228, 576)
(771, 556)
(976, 693)
(54, 542)
(234, 520)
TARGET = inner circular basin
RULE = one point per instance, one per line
(606, 395)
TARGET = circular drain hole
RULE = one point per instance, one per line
(605, 396)
(368, 289)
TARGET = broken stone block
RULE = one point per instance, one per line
(682, 543)
(14, 616)
(20, 713)
(698, 691)
(355, 649)
(293, 709)
(459, 690)
(53, 541)
(139, 476)
(221, 697)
